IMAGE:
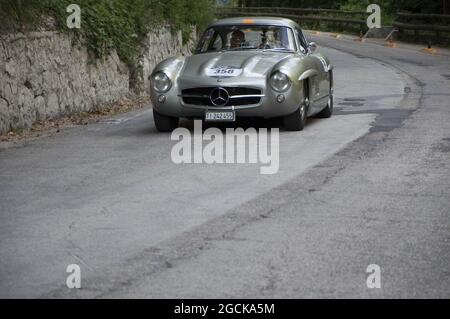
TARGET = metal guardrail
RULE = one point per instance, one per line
(419, 24)
(424, 16)
(436, 24)
(302, 10)
(302, 15)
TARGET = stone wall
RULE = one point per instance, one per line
(158, 46)
(43, 75)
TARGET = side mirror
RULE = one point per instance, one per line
(312, 47)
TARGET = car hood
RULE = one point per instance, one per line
(252, 63)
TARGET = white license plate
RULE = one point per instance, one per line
(216, 116)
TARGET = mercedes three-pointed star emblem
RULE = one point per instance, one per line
(219, 97)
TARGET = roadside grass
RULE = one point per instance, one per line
(20, 14)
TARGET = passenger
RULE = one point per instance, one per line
(237, 39)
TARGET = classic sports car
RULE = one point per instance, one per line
(245, 67)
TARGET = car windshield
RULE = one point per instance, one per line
(234, 38)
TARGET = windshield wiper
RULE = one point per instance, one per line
(280, 49)
(243, 48)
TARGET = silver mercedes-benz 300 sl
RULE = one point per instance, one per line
(245, 67)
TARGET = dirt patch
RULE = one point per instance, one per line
(55, 125)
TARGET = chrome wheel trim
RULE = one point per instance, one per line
(303, 111)
(331, 97)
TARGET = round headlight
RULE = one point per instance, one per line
(280, 82)
(161, 82)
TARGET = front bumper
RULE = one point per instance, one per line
(268, 106)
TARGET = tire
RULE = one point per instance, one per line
(328, 111)
(297, 120)
(165, 123)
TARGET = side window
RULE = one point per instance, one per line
(291, 40)
(203, 46)
(302, 41)
(217, 44)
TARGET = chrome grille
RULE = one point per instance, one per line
(237, 96)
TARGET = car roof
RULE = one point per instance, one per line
(277, 21)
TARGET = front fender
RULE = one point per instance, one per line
(307, 74)
(171, 67)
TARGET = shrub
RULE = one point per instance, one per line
(20, 13)
(112, 24)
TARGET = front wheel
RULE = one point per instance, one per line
(165, 123)
(328, 111)
(297, 120)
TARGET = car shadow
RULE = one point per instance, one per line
(244, 123)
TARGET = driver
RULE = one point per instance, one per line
(267, 40)
(237, 39)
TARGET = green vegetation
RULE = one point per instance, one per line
(20, 13)
(110, 24)
(122, 24)
(390, 6)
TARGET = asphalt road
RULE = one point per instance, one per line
(368, 186)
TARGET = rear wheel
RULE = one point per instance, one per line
(165, 123)
(297, 120)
